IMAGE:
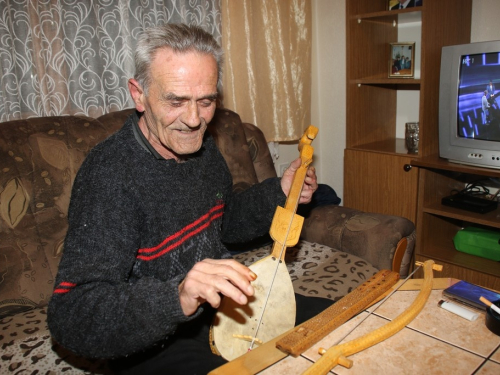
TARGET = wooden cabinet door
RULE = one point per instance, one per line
(378, 182)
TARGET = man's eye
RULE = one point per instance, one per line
(176, 103)
(206, 103)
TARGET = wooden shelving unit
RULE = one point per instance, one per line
(438, 224)
(379, 174)
(375, 163)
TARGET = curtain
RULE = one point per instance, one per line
(61, 57)
(267, 72)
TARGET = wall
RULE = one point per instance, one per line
(328, 90)
(328, 107)
(485, 20)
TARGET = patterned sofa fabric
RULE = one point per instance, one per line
(27, 348)
(39, 159)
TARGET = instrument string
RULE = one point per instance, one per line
(376, 307)
(283, 247)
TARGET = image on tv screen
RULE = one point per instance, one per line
(478, 108)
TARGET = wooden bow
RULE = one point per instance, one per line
(338, 354)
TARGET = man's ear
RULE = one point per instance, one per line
(137, 94)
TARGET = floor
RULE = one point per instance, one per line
(435, 342)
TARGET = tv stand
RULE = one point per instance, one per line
(437, 224)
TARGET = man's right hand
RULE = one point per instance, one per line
(210, 278)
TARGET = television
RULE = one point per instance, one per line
(469, 110)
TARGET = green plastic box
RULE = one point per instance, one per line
(478, 241)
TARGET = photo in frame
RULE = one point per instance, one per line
(401, 60)
(403, 4)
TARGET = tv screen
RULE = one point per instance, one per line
(469, 108)
(478, 109)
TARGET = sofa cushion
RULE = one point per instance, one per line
(259, 152)
(361, 233)
(230, 138)
(39, 159)
(114, 121)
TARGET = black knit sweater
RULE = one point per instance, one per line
(137, 224)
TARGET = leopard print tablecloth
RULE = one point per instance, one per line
(316, 270)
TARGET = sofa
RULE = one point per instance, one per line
(339, 247)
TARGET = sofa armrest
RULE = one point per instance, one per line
(380, 239)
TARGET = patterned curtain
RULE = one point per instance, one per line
(74, 57)
(267, 73)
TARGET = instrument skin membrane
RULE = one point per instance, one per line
(271, 311)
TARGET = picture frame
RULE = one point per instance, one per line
(401, 60)
(403, 4)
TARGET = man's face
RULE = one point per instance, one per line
(180, 102)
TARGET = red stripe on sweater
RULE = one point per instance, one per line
(65, 283)
(186, 228)
(209, 218)
(64, 287)
(61, 291)
(182, 240)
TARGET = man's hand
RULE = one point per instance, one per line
(212, 277)
(310, 182)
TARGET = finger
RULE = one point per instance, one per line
(294, 165)
(237, 266)
(311, 173)
(229, 290)
(305, 198)
(199, 287)
(213, 297)
(227, 276)
(189, 298)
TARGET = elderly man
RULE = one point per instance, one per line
(144, 262)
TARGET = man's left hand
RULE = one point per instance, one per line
(310, 182)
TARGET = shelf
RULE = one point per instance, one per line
(490, 219)
(450, 255)
(435, 162)
(382, 81)
(438, 224)
(389, 146)
(403, 15)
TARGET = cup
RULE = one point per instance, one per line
(411, 137)
(493, 319)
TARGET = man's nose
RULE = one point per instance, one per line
(192, 115)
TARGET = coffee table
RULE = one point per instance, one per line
(435, 342)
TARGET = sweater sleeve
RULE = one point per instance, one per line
(249, 213)
(96, 310)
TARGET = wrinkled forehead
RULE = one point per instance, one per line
(189, 70)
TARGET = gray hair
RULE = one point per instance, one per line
(179, 38)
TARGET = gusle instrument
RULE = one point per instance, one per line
(271, 310)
